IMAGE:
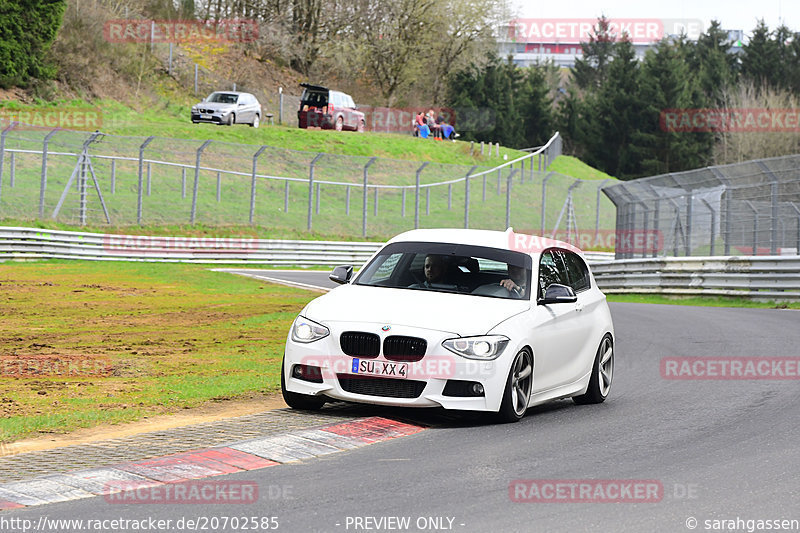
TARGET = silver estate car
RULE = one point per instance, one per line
(228, 107)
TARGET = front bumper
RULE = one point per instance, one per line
(430, 382)
(212, 118)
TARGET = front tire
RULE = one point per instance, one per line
(304, 402)
(518, 388)
(231, 119)
(602, 374)
(362, 126)
(256, 122)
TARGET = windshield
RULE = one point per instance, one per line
(223, 98)
(457, 268)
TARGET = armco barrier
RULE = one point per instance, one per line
(760, 277)
(33, 243)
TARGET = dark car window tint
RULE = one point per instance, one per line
(551, 270)
(577, 271)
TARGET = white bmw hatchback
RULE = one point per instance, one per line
(462, 319)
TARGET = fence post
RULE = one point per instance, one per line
(347, 200)
(449, 196)
(253, 183)
(183, 182)
(416, 195)
(688, 247)
(311, 189)
(3, 151)
(499, 175)
(656, 229)
(43, 186)
(364, 197)
(219, 186)
(755, 226)
(427, 200)
(113, 176)
(597, 211)
(286, 196)
(466, 196)
(196, 180)
(140, 187)
(713, 222)
(508, 197)
(375, 203)
(544, 199)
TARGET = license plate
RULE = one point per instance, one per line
(384, 369)
(205, 117)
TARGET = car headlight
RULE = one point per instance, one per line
(485, 347)
(305, 330)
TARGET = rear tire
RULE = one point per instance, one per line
(519, 384)
(602, 374)
(339, 124)
(304, 402)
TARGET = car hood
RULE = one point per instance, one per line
(460, 314)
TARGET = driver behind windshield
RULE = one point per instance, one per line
(435, 267)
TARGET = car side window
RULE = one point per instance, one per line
(577, 271)
(551, 270)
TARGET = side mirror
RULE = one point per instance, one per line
(558, 294)
(342, 274)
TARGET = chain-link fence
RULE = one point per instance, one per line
(750, 208)
(94, 179)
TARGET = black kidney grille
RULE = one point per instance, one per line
(406, 349)
(360, 344)
(385, 387)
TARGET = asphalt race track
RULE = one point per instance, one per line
(719, 449)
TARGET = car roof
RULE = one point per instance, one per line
(508, 240)
(315, 87)
(232, 92)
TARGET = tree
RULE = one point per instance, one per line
(711, 62)
(590, 70)
(27, 29)
(759, 57)
(666, 85)
(615, 115)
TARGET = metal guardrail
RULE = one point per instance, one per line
(33, 243)
(758, 277)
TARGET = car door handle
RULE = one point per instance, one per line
(579, 307)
